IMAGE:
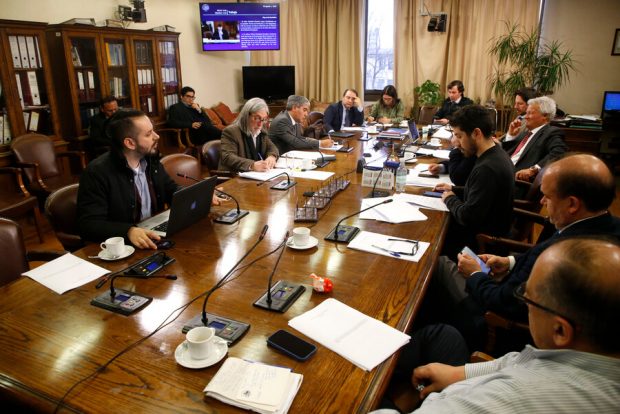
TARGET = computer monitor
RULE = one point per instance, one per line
(611, 102)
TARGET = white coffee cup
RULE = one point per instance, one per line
(404, 124)
(435, 142)
(114, 246)
(306, 164)
(200, 342)
(372, 129)
(301, 236)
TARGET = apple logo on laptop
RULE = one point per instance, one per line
(193, 205)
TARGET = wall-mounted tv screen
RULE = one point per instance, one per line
(268, 82)
(240, 26)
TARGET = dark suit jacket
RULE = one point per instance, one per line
(448, 107)
(233, 154)
(458, 166)
(546, 145)
(498, 297)
(182, 116)
(216, 35)
(332, 119)
(287, 136)
(96, 131)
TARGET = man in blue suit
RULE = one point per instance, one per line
(577, 192)
(344, 113)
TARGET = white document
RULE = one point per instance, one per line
(66, 273)
(362, 340)
(394, 212)
(352, 129)
(367, 241)
(414, 179)
(431, 203)
(308, 155)
(311, 175)
(443, 154)
(442, 133)
(335, 147)
(268, 175)
(254, 386)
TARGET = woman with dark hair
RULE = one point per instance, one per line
(389, 109)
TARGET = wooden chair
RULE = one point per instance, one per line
(315, 125)
(182, 164)
(425, 116)
(35, 154)
(15, 200)
(13, 254)
(211, 158)
(61, 211)
(173, 140)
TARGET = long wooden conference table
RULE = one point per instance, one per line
(49, 342)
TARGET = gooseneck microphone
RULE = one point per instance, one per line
(323, 161)
(283, 294)
(223, 279)
(232, 215)
(282, 185)
(345, 233)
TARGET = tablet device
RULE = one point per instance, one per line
(485, 269)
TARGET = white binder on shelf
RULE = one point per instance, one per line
(34, 87)
(18, 81)
(34, 122)
(23, 51)
(17, 61)
(32, 55)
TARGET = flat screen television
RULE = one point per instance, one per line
(611, 101)
(240, 26)
(268, 82)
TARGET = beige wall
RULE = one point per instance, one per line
(216, 76)
(587, 27)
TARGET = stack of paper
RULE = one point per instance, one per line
(413, 177)
(66, 273)
(398, 211)
(443, 133)
(385, 245)
(307, 155)
(268, 175)
(443, 154)
(254, 386)
(362, 340)
(431, 203)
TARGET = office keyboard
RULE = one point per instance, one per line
(163, 227)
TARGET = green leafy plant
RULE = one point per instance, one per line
(428, 94)
(524, 59)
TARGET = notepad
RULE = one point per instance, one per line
(254, 386)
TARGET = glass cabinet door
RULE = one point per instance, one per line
(31, 83)
(86, 78)
(117, 71)
(5, 126)
(145, 74)
(169, 75)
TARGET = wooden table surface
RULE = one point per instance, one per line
(51, 341)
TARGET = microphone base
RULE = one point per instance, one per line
(344, 149)
(320, 163)
(125, 302)
(228, 329)
(284, 185)
(231, 216)
(283, 295)
(378, 193)
(345, 234)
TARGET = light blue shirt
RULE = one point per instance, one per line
(139, 175)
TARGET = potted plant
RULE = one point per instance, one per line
(524, 59)
(428, 98)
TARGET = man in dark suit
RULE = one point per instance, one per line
(286, 132)
(453, 102)
(220, 33)
(188, 114)
(577, 192)
(531, 149)
(97, 123)
(346, 112)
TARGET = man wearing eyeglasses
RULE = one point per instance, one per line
(573, 302)
(577, 192)
(188, 114)
(245, 143)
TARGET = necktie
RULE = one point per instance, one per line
(521, 144)
(346, 118)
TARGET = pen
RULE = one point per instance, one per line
(260, 156)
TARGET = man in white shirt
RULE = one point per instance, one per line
(532, 149)
(573, 299)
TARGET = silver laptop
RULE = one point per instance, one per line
(189, 205)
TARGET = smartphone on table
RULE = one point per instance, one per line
(291, 345)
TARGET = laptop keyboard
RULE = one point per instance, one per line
(163, 227)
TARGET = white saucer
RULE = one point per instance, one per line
(129, 250)
(312, 242)
(181, 355)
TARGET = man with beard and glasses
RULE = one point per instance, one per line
(125, 185)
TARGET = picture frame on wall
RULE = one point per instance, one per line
(615, 50)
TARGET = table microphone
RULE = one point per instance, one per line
(282, 185)
(284, 294)
(349, 232)
(232, 215)
(323, 162)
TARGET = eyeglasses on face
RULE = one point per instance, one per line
(519, 293)
(257, 118)
(190, 96)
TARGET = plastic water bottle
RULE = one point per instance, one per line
(401, 178)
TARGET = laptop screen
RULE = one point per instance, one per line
(414, 130)
(611, 101)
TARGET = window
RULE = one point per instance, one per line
(379, 70)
